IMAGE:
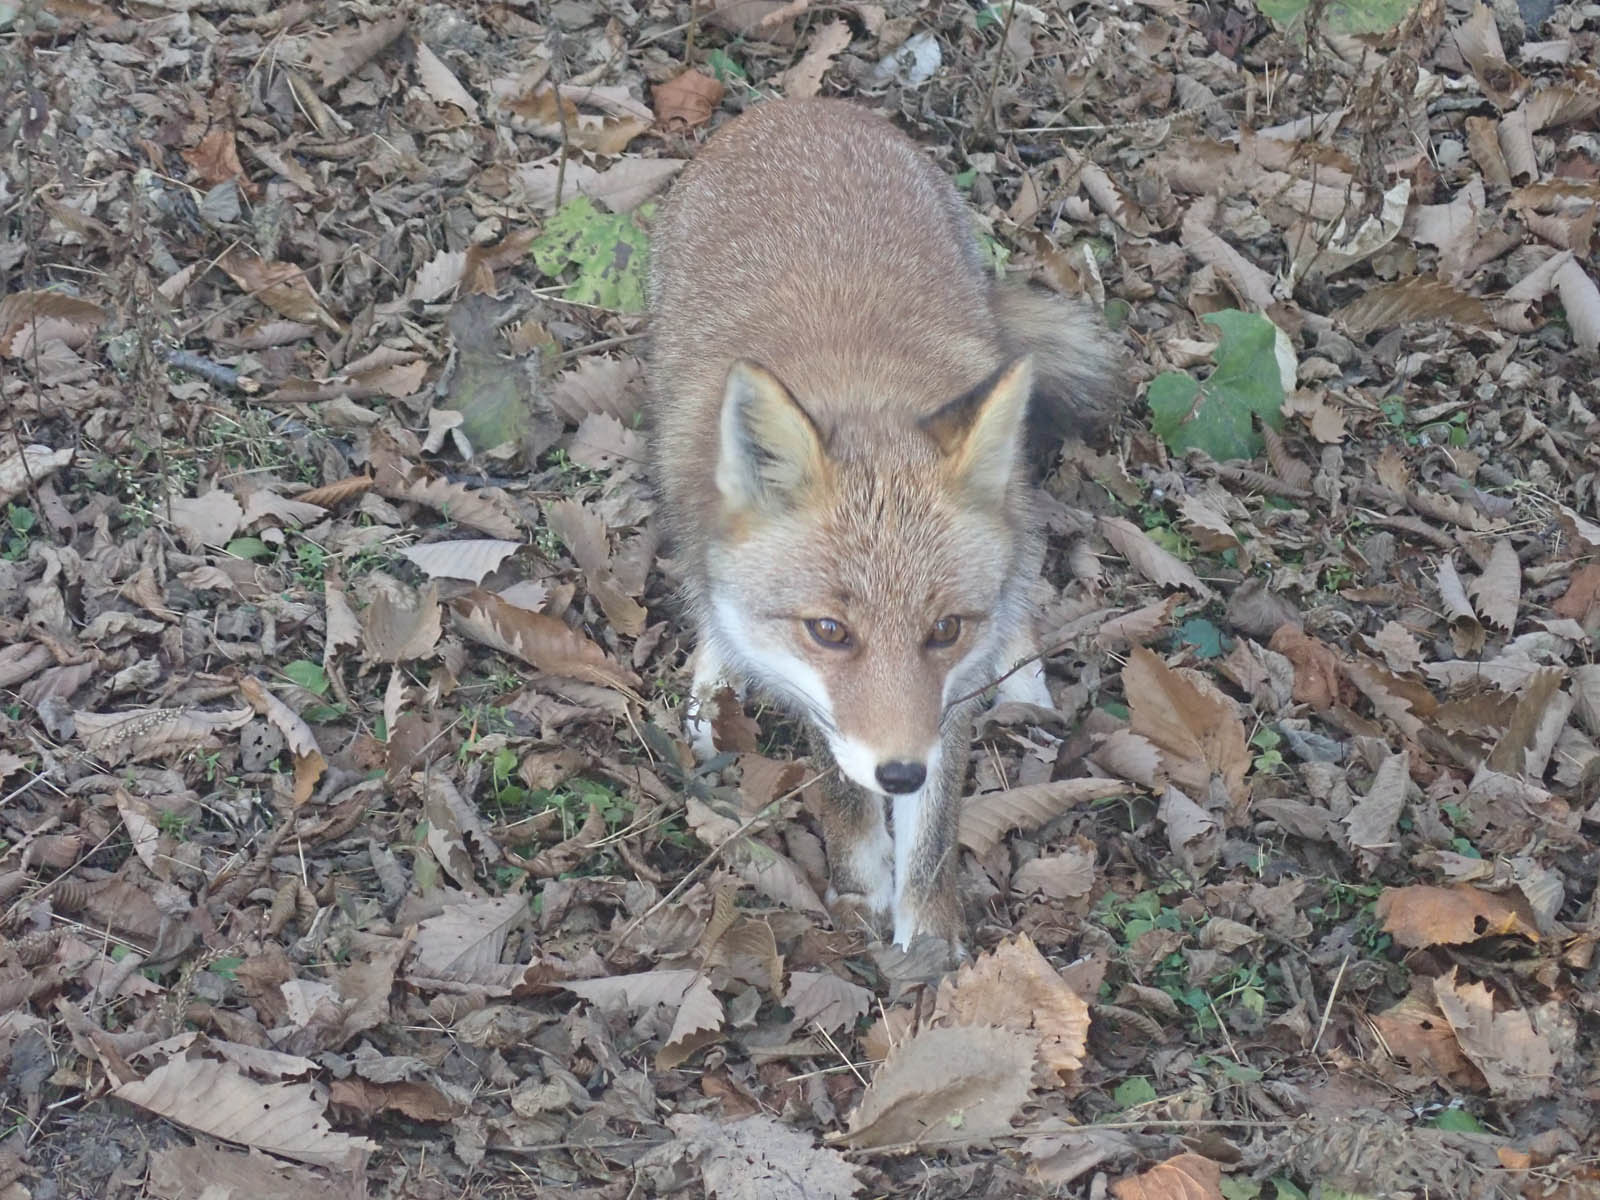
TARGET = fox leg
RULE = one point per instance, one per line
(711, 675)
(926, 895)
(860, 854)
(1027, 683)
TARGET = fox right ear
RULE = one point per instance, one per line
(770, 450)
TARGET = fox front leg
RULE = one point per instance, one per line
(860, 854)
(711, 675)
(1026, 683)
(927, 898)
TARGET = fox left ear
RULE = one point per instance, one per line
(771, 450)
(981, 432)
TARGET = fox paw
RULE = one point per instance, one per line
(853, 912)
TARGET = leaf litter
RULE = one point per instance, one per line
(349, 753)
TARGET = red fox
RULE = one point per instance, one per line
(841, 405)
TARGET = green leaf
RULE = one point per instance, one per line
(1216, 416)
(226, 967)
(308, 675)
(1205, 637)
(1133, 1092)
(601, 257)
(1341, 16)
(249, 548)
(1287, 1190)
(724, 67)
(1457, 1120)
(1239, 1189)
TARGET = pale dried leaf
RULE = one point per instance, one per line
(394, 630)
(804, 79)
(634, 992)
(1066, 876)
(1182, 1177)
(1198, 733)
(1014, 987)
(1372, 820)
(21, 470)
(622, 187)
(761, 1158)
(210, 519)
(213, 1098)
(1518, 1060)
(467, 938)
(482, 510)
(987, 817)
(1499, 589)
(822, 997)
(1155, 563)
(469, 559)
(599, 386)
(441, 84)
(144, 733)
(539, 640)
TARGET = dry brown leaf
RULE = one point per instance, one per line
(1251, 283)
(440, 82)
(601, 119)
(213, 1098)
(396, 629)
(804, 79)
(418, 1101)
(464, 943)
(1391, 305)
(762, 1158)
(29, 319)
(611, 387)
(1580, 297)
(193, 1172)
(700, 1014)
(946, 1088)
(338, 56)
(470, 559)
(210, 519)
(1372, 819)
(145, 733)
(216, 157)
(601, 442)
(539, 640)
(337, 492)
(1499, 589)
(1014, 987)
(22, 470)
(1198, 733)
(1517, 1059)
(1182, 1177)
(1066, 876)
(1155, 563)
(482, 509)
(282, 287)
(1417, 1031)
(989, 816)
(1536, 722)
(631, 993)
(822, 997)
(1316, 666)
(1423, 915)
(620, 188)
(687, 101)
(1139, 627)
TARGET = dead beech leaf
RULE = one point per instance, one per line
(1372, 820)
(440, 81)
(216, 157)
(1156, 564)
(215, 1099)
(419, 1101)
(699, 1014)
(1499, 589)
(210, 519)
(1316, 666)
(946, 1087)
(609, 386)
(145, 733)
(1517, 1059)
(308, 761)
(687, 101)
(1182, 1177)
(24, 469)
(621, 187)
(282, 287)
(1423, 915)
(804, 79)
(1066, 876)
(464, 942)
(630, 993)
(340, 55)
(1198, 733)
(336, 492)
(468, 558)
(190, 1171)
(1014, 987)
(988, 816)
(761, 1158)
(397, 629)
(539, 640)
(1415, 1030)
(482, 509)
(824, 998)
(1139, 627)
(601, 119)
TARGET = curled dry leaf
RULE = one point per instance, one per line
(1156, 564)
(29, 318)
(987, 817)
(1416, 1031)
(699, 1016)
(470, 558)
(539, 640)
(282, 287)
(1518, 1059)
(1014, 987)
(1423, 915)
(440, 81)
(213, 1098)
(947, 1087)
(308, 761)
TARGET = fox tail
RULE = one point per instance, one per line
(1080, 380)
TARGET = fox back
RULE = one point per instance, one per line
(840, 400)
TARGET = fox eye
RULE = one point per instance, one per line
(945, 632)
(829, 632)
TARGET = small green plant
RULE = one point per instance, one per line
(599, 257)
(308, 675)
(1255, 365)
(1134, 1093)
(20, 522)
(174, 825)
(726, 70)
(1267, 741)
(311, 563)
(1352, 18)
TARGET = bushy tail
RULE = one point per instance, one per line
(1080, 378)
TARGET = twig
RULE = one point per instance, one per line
(1327, 1009)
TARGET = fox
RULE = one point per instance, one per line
(845, 412)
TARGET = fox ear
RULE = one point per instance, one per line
(771, 451)
(981, 432)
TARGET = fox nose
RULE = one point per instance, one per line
(899, 777)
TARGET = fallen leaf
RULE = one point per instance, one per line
(539, 640)
(1422, 915)
(1183, 1177)
(1199, 734)
(761, 1158)
(1517, 1059)
(1014, 987)
(687, 101)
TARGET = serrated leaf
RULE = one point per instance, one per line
(600, 256)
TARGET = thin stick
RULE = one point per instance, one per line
(1327, 1009)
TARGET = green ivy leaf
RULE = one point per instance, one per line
(1216, 416)
(1341, 16)
(601, 257)
(1458, 1120)
(1133, 1092)
(308, 675)
(250, 548)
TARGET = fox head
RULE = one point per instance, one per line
(864, 573)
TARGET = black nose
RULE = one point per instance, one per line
(901, 777)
